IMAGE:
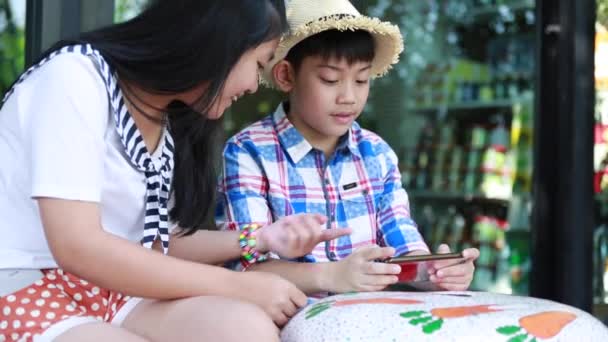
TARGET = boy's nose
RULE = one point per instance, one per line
(347, 95)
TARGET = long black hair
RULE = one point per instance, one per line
(174, 46)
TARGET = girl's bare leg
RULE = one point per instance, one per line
(98, 332)
(201, 319)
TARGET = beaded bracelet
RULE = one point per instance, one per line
(248, 242)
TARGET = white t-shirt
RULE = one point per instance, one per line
(58, 139)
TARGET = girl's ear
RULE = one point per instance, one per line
(284, 76)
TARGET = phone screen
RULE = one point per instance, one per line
(414, 267)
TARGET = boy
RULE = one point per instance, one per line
(311, 156)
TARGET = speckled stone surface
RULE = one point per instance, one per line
(441, 316)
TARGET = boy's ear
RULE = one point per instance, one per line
(284, 76)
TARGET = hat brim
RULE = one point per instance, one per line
(387, 37)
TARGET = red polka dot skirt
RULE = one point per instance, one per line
(57, 297)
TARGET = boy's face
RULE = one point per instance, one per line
(327, 97)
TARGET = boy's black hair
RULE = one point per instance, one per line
(354, 46)
(174, 46)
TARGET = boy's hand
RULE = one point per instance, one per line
(275, 295)
(361, 272)
(296, 235)
(452, 275)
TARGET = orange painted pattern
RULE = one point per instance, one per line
(462, 311)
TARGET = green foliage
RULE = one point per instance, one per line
(12, 48)
(127, 9)
(602, 12)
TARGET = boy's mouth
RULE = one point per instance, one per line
(343, 118)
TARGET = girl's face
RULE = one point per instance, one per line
(243, 78)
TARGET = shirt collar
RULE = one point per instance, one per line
(289, 137)
(297, 146)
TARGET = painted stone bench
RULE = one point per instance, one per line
(441, 316)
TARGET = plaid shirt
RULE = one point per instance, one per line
(271, 171)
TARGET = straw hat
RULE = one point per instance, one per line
(309, 17)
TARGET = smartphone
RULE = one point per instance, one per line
(414, 267)
(427, 257)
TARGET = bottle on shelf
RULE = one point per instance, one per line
(521, 143)
(483, 237)
(442, 228)
(426, 222)
(424, 157)
(477, 143)
(456, 166)
(600, 263)
(493, 183)
(442, 157)
(455, 238)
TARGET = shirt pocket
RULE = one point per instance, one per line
(357, 203)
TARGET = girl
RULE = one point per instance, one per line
(94, 139)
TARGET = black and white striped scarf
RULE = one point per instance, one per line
(158, 171)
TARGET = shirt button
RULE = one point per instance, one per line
(326, 180)
(332, 255)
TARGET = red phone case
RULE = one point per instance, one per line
(409, 271)
(416, 270)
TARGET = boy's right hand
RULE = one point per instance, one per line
(275, 295)
(361, 271)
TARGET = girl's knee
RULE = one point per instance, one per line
(249, 317)
(256, 321)
(213, 318)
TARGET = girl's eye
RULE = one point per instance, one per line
(362, 81)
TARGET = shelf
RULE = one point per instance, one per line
(465, 106)
(455, 197)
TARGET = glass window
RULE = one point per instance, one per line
(458, 111)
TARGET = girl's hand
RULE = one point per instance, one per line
(450, 275)
(296, 235)
(275, 295)
(361, 272)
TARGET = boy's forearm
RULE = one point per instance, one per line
(310, 278)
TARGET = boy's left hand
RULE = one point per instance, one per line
(452, 275)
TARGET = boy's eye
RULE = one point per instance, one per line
(362, 81)
(329, 81)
